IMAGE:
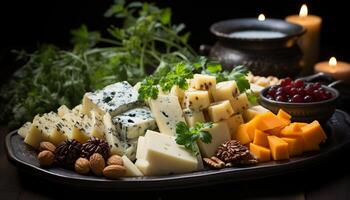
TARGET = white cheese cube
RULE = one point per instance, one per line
(113, 99)
(251, 112)
(197, 100)
(203, 82)
(134, 123)
(220, 133)
(233, 123)
(141, 148)
(167, 112)
(256, 88)
(115, 145)
(164, 156)
(220, 111)
(192, 117)
(240, 103)
(24, 129)
(33, 136)
(131, 169)
(226, 90)
(62, 110)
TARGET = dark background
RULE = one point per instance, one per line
(26, 23)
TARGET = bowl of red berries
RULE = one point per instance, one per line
(305, 101)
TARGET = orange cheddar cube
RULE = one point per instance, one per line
(292, 130)
(275, 131)
(242, 134)
(266, 121)
(295, 146)
(261, 153)
(284, 116)
(313, 135)
(260, 138)
(279, 148)
(300, 124)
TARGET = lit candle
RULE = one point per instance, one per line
(310, 41)
(336, 69)
(261, 17)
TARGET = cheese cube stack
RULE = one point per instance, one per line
(158, 154)
(197, 100)
(113, 99)
(226, 90)
(134, 123)
(220, 111)
(167, 111)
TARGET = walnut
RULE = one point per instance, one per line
(47, 146)
(46, 158)
(97, 164)
(82, 166)
(114, 171)
(115, 160)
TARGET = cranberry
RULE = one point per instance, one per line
(293, 91)
(328, 94)
(279, 93)
(308, 98)
(316, 85)
(298, 83)
(316, 95)
(281, 98)
(271, 92)
(302, 91)
(297, 98)
(286, 81)
(287, 88)
(309, 89)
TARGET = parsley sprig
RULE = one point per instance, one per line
(189, 136)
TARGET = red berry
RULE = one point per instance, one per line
(280, 98)
(316, 85)
(293, 91)
(286, 81)
(271, 92)
(308, 98)
(302, 91)
(298, 83)
(297, 98)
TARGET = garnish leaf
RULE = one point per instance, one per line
(188, 136)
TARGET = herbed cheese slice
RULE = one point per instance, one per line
(33, 136)
(113, 99)
(52, 127)
(197, 100)
(167, 111)
(220, 110)
(134, 123)
(226, 90)
(240, 103)
(163, 156)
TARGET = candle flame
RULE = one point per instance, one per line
(261, 17)
(332, 61)
(303, 11)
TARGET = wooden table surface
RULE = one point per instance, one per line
(329, 180)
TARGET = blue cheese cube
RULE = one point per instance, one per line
(113, 99)
(134, 123)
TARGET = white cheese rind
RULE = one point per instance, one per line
(134, 123)
(113, 99)
(167, 111)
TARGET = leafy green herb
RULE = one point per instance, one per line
(252, 98)
(51, 76)
(148, 89)
(176, 77)
(188, 136)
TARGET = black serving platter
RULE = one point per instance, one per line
(337, 127)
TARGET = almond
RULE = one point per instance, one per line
(115, 160)
(97, 164)
(114, 171)
(47, 146)
(46, 158)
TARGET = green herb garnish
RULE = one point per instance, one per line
(188, 136)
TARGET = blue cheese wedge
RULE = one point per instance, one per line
(116, 146)
(167, 111)
(113, 99)
(134, 123)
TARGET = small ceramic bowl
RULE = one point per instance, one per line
(303, 112)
